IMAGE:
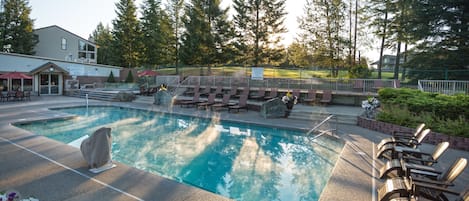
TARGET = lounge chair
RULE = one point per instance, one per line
(259, 95)
(416, 156)
(406, 169)
(326, 97)
(404, 189)
(206, 91)
(233, 91)
(193, 91)
(218, 91)
(206, 104)
(408, 186)
(245, 92)
(27, 95)
(242, 104)
(396, 135)
(311, 97)
(272, 94)
(223, 104)
(389, 147)
(192, 102)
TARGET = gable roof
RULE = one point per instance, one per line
(55, 26)
(46, 66)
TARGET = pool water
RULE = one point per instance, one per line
(238, 161)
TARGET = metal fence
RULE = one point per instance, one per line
(449, 87)
(354, 85)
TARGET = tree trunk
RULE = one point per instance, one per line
(398, 58)
(380, 65)
(355, 34)
(405, 61)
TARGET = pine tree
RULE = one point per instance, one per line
(207, 33)
(111, 78)
(157, 34)
(16, 28)
(175, 12)
(323, 29)
(103, 38)
(126, 33)
(259, 24)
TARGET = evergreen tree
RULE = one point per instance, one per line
(103, 38)
(298, 55)
(157, 34)
(259, 24)
(16, 28)
(130, 77)
(323, 29)
(207, 33)
(126, 46)
(175, 12)
(111, 78)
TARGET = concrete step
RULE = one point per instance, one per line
(318, 117)
(144, 99)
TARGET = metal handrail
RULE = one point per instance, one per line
(322, 123)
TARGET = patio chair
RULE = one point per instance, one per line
(296, 92)
(192, 102)
(400, 135)
(27, 95)
(273, 94)
(259, 95)
(389, 147)
(223, 104)
(242, 104)
(206, 91)
(11, 95)
(326, 97)
(416, 156)
(4, 96)
(311, 97)
(206, 104)
(415, 186)
(404, 189)
(245, 92)
(218, 91)
(233, 91)
(193, 91)
(405, 169)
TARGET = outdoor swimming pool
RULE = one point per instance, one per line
(239, 161)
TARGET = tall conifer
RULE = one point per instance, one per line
(16, 28)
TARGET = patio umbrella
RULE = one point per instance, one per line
(15, 75)
(147, 73)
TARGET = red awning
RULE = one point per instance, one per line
(147, 73)
(15, 75)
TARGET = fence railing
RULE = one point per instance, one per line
(355, 85)
(448, 87)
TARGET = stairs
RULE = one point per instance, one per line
(318, 117)
(144, 99)
(94, 94)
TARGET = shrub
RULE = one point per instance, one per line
(409, 107)
(111, 78)
(130, 77)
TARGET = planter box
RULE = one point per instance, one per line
(456, 142)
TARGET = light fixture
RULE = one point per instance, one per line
(51, 69)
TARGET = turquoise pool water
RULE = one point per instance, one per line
(239, 161)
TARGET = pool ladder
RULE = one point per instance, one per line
(316, 128)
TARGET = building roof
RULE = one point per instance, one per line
(55, 26)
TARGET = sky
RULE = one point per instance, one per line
(82, 16)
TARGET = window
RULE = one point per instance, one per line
(64, 44)
(86, 51)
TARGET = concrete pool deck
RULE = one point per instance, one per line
(50, 170)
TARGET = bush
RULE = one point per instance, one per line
(111, 78)
(359, 71)
(409, 107)
(130, 77)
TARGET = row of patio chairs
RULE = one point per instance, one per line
(410, 173)
(261, 94)
(212, 104)
(15, 95)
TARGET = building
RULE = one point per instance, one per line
(58, 43)
(51, 76)
(389, 62)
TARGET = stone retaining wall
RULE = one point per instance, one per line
(456, 142)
